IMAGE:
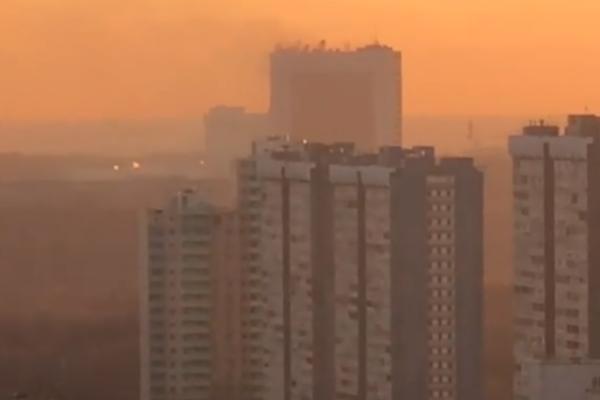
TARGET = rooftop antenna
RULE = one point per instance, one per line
(374, 31)
(471, 135)
(470, 130)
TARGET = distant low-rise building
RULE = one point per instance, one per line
(229, 134)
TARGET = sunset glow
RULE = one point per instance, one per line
(73, 59)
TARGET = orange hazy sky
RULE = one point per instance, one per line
(97, 59)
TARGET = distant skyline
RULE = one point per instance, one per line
(184, 134)
(134, 59)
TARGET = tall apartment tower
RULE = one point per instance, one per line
(556, 180)
(330, 95)
(254, 279)
(190, 333)
(370, 273)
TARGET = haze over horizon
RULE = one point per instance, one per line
(145, 240)
(67, 60)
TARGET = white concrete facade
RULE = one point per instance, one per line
(345, 180)
(278, 191)
(187, 321)
(260, 205)
(565, 167)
